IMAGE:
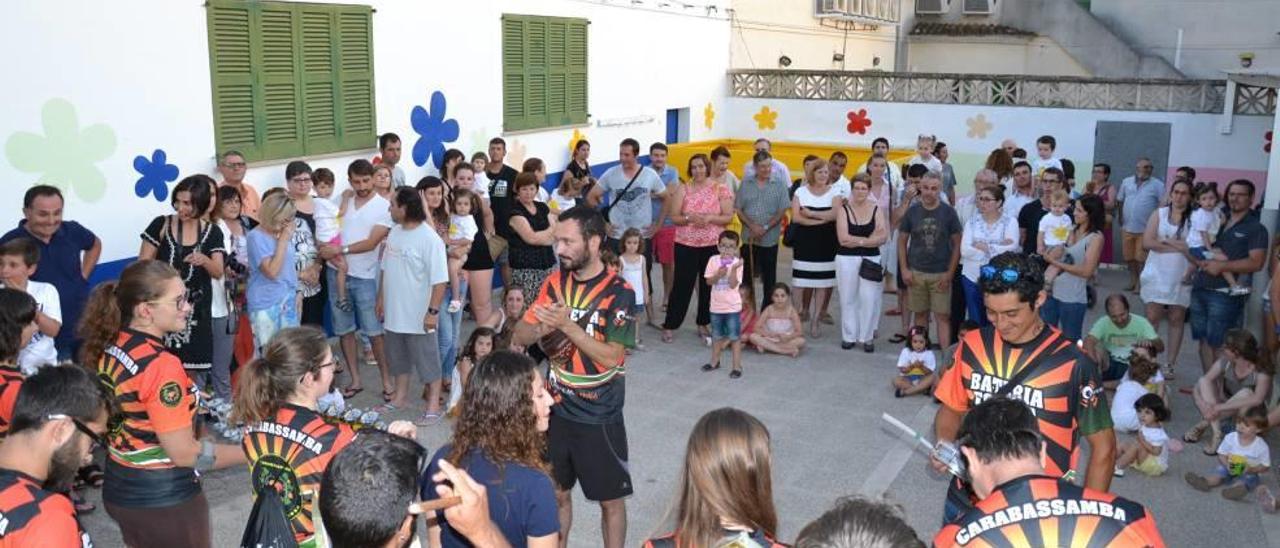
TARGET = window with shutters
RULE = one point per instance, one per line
(291, 79)
(544, 72)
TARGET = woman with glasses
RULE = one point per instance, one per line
(271, 295)
(987, 234)
(288, 442)
(306, 256)
(499, 440)
(194, 247)
(152, 489)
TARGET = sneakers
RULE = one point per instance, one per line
(455, 306)
(1119, 473)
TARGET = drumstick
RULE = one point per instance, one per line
(436, 504)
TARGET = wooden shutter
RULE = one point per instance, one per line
(576, 70)
(279, 103)
(514, 116)
(356, 120)
(544, 71)
(231, 72)
(319, 79)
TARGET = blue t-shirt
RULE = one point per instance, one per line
(522, 502)
(60, 265)
(263, 292)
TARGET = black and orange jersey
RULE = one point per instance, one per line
(10, 383)
(31, 516)
(1064, 389)
(1045, 511)
(289, 454)
(586, 391)
(153, 394)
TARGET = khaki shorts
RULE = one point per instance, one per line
(924, 295)
(1133, 250)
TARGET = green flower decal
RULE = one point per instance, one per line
(66, 156)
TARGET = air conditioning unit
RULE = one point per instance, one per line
(979, 7)
(832, 7)
(932, 7)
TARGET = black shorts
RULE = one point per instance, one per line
(595, 454)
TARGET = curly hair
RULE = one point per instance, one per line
(496, 413)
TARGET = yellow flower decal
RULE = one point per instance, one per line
(573, 141)
(766, 118)
(708, 115)
(979, 126)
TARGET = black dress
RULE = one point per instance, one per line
(193, 345)
(305, 253)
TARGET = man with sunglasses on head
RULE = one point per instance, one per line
(1024, 359)
(1020, 504)
(60, 416)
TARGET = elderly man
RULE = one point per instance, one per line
(1140, 195)
(780, 170)
(68, 254)
(1113, 337)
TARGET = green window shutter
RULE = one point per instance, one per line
(357, 121)
(231, 72)
(576, 69)
(279, 105)
(514, 116)
(319, 79)
(557, 73)
(535, 72)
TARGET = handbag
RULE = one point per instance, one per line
(609, 208)
(871, 271)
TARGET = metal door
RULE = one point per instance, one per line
(1120, 144)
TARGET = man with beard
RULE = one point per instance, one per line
(582, 317)
(60, 416)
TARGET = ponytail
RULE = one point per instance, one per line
(111, 305)
(269, 381)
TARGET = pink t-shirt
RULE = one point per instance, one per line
(724, 298)
(702, 200)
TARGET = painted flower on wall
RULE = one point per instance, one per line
(433, 131)
(766, 118)
(573, 141)
(858, 121)
(979, 127)
(708, 116)
(66, 156)
(156, 173)
(1266, 146)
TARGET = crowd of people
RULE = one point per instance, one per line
(236, 295)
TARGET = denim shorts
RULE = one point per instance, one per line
(363, 295)
(726, 326)
(1213, 313)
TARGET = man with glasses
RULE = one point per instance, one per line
(1004, 447)
(59, 418)
(233, 167)
(1140, 195)
(1217, 307)
(1022, 358)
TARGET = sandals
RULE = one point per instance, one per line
(1193, 435)
(349, 393)
(81, 505)
(90, 476)
(735, 374)
(897, 338)
(427, 418)
(667, 336)
(387, 395)
(708, 367)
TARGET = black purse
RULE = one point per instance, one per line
(871, 271)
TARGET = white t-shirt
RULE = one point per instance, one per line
(1156, 436)
(1123, 415)
(462, 227)
(414, 261)
(909, 356)
(843, 187)
(542, 196)
(1013, 203)
(933, 163)
(1056, 229)
(481, 186)
(1038, 165)
(327, 224)
(356, 226)
(559, 203)
(40, 351)
(218, 291)
(1202, 222)
(1255, 454)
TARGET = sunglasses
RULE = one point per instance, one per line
(95, 437)
(1006, 275)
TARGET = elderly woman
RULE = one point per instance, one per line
(1240, 379)
(861, 226)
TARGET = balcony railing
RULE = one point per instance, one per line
(1202, 96)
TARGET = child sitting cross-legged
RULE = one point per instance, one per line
(916, 365)
(1149, 452)
(1242, 457)
(1142, 368)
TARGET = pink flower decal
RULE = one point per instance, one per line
(858, 122)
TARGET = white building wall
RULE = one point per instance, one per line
(142, 71)
(765, 30)
(1214, 32)
(1035, 56)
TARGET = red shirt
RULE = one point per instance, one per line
(10, 382)
(31, 516)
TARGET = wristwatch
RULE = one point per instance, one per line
(433, 311)
(346, 249)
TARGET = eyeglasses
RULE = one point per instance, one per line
(94, 437)
(235, 165)
(986, 199)
(1006, 275)
(301, 179)
(185, 299)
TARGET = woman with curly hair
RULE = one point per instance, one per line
(499, 440)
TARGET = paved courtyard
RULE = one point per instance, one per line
(823, 411)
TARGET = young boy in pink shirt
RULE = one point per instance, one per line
(724, 275)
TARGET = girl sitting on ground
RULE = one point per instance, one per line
(779, 328)
(479, 345)
(916, 365)
(747, 318)
(1132, 388)
(1149, 452)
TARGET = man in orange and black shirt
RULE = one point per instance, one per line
(582, 320)
(60, 415)
(1021, 505)
(1061, 385)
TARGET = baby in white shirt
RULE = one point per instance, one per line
(1055, 229)
(462, 231)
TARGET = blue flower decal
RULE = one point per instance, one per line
(157, 173)
(433, 130)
